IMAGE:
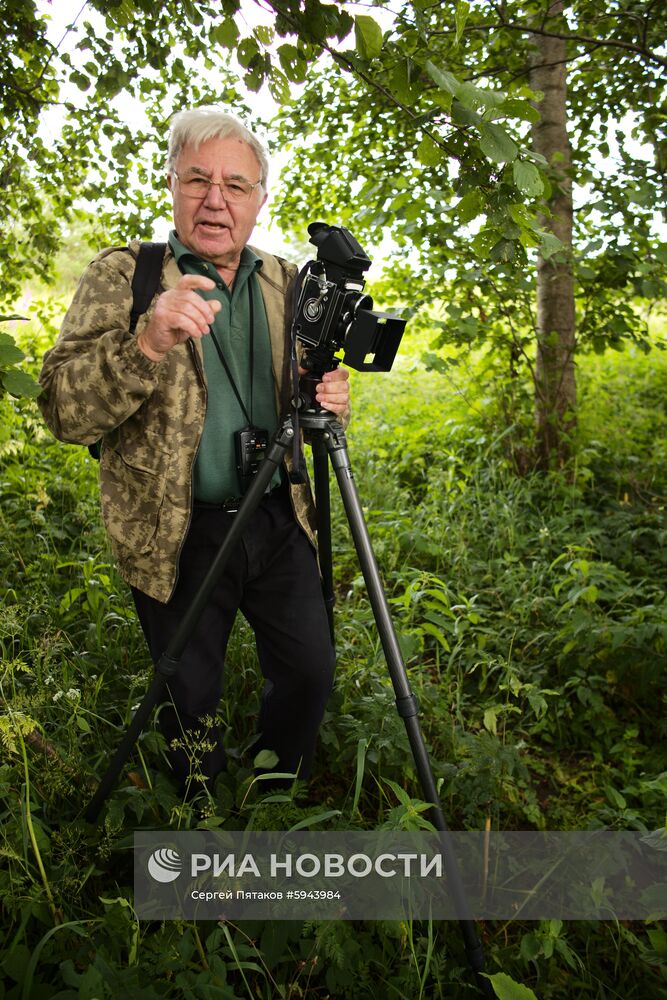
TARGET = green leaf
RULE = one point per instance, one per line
(428, 627)
(15, 962)
(279, 86)
(266, 759)
(80, 80)
(70, 597)
(429, 153)
(497, 144)
(527, 178)
(462, 115)
(460, 18)
(537, 702)
(122, 902)
(507, 989)
(293, 63)
(470, 206)
(469, 96)
(520, 216)
(504, 249)
(443, 78)
(9, 352)
(247, 51)
(658, 939)
(401, 82)
(531, 947)
(226, 33)
(474, 97)
(368, 36)
(190, 11)
(399, 792)
(271, 776)
(18, 383)
(413, 211)
(491, 720)
(309, 821)
(550, 245)
(615, 797)
(512, 107)
(264, 34)
(362, 747)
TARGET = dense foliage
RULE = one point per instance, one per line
(436, 146)
(530, 609)
(83, 119)
(533, 620)
(438, 125)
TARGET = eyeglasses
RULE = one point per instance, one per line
(234, 191)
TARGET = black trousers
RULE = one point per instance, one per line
(273, 578)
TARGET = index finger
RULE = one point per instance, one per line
(188, 281)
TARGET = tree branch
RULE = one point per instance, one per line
(30, 94)
(498, 70)
(368, 80)
(515, 338)
(648, 54)
(56, 48)
(647, 19)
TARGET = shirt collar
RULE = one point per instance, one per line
(250, 262)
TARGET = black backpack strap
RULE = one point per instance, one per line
(146, 280)
(145, 283)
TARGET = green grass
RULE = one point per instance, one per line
(531, 612)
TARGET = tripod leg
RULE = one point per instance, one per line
(323, 506)
(405, 700)
(163, 671)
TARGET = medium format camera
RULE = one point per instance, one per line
(333, 314)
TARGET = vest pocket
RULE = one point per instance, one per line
(131, 499)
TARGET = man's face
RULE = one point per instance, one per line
(212, 227)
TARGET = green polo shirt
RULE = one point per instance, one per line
(215, 476)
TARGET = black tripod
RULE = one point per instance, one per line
(328, 442)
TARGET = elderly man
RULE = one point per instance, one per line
(209, 358)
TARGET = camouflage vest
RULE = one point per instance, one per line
(97, 383)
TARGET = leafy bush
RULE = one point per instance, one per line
(531, 613)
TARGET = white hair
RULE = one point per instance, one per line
(196, 126)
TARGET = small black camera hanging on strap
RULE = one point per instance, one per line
(250, 442)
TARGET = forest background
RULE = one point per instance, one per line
(505, 166)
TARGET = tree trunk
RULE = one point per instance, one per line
(555, 384)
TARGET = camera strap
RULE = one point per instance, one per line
(224, 364)
(298, 474)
